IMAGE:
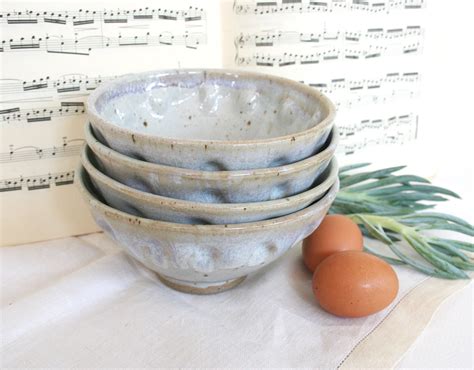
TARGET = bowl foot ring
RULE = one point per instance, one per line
(200, 288)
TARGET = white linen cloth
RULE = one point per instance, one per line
(82, 302)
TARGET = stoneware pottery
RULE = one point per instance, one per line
(204, 258)
(156, 207)
(212, 186)
(211, 119)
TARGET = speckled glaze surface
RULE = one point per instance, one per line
(156, 207)
(211, 119)
(212, 186)
(204, 258)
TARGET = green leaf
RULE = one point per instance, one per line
(387, 181)
(419, 266)
(398, 189)
(448, 248)
(363, 176)
(456, 261)
(447, 226)
(433, 259)
(446, 256)
(459, 244)
(364, 207)
(374, 231)
(414, 197)
(353, 167)
(427, 217)
(391, 260)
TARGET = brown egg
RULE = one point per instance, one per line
(354, 284)
(336, 233)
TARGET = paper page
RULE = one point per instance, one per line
(52, 55)
(365, 55)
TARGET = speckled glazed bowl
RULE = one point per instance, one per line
(156, 207)
(211, 119)
(212, 186)
(204, 258)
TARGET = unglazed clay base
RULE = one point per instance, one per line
(201, 288)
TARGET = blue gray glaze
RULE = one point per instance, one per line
(204, 258)
(212, 186)
(140, 203)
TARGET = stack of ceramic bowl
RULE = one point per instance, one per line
(208, 175)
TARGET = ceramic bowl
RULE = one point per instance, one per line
(212, 186)
(204, 258)
(156, 207)
(211, 119)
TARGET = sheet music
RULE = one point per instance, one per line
(52, 55)
(366, 55)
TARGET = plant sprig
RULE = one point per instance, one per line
(396, 208)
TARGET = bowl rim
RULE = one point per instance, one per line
(220, 229)
(249, 207)
(99, 120)
(101, 150)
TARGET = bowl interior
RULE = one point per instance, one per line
(210, 105)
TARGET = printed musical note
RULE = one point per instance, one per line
(17, 115)
(355, 53)
(348, 85)
(58, 44)
(265, 7)
(45, 88)
(83, 17)
(348, 92)
(53, 54)
(68, 148)
(37, 182)
(371, 35)
(367, 132)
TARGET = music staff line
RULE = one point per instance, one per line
(84, 45)
(264, 7)
(29, 153)
(289, 59)
(84, 17)
(45, 114)
(390, 86)
(376, 124)
(74, 83)
(37, 182)
(351, 148)
(270, 39)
